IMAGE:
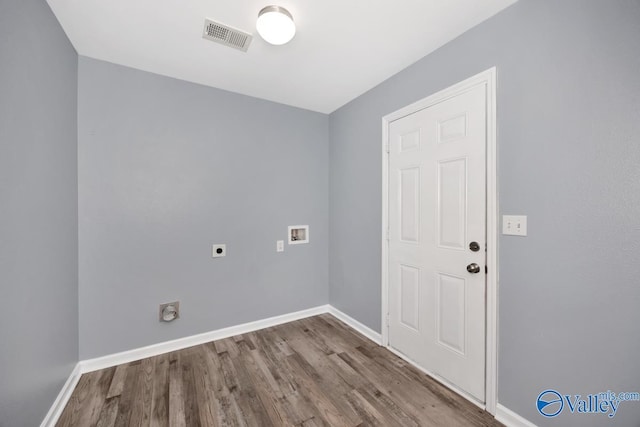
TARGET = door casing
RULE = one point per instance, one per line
(488, 78)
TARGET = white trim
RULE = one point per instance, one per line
(180, 343)
(385, 232)
(59, 404)
(511, 419)
(354, 324)
(491, 376)
(488, 78)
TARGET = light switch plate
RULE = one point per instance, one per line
(514, 225)
(280, 246)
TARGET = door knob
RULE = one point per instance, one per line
(473, 268)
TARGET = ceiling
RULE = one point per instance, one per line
(341, 48)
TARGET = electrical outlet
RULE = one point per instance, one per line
(219, 251)
(514, 225)
(280, 246)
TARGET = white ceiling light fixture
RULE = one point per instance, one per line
(275, 25)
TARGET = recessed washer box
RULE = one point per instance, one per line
(298, 234)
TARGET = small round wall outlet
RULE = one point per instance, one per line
(219, 251)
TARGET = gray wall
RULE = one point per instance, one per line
(38, 211)
(168, 168)
(568, 126)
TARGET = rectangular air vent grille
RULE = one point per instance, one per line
(226, 35)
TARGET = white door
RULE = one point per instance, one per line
(437, 210)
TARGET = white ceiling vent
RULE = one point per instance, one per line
(226, 35)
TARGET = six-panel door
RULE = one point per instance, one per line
(437, 207)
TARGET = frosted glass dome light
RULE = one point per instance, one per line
(275, 25)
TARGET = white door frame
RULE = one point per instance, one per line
(487, 78)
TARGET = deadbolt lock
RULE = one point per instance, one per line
(474, 246)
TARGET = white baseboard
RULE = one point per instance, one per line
(503, 414)
(115, 359)
(180, 343)
(510, 419)
(363, 329)
(63, 397)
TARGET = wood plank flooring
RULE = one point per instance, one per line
(311, 372)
